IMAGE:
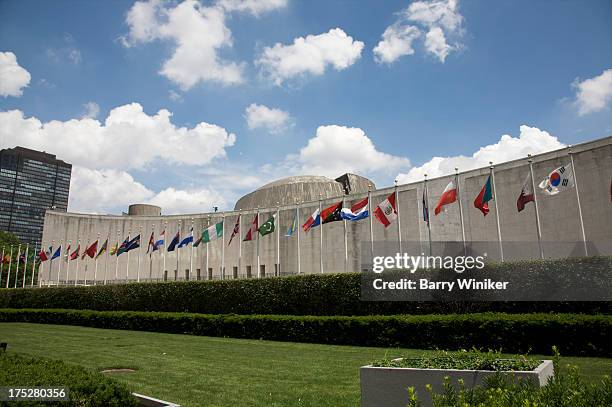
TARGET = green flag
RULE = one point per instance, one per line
(212, 233)
(268, 226)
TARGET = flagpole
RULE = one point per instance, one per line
(25, 265)
(177, 250)
(83, 255)
(428, 218)
(106, 260)
(50, 262)
(239, 242)
(320, 235)
(95, 279)
(151, 254)
(76, 278)
(297, 221)
(1, 263)
(67, 262)
(569, 152)
(399, 225)
(535, 202)
(139, 255)
(460, 211)
(164, 252)
(117, 258)
(345, 242)
(257, 245)
(8, 276)
(370, 221)
(223, 246)
(127, 264)
(278, 267)
(59, 267)
(191, 254)
(17, 268)
(34, 263)
(497, 220)
(207, 226)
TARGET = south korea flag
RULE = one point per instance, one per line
(558, 180)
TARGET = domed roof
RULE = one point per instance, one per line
(301, 188)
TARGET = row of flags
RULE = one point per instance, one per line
(385, 213)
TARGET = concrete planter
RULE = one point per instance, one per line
(388, 386)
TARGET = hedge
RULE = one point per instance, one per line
(573, 334)
(315, 294)
(87, 388)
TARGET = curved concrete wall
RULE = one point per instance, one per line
(558, 215)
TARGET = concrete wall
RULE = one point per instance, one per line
(559, 218)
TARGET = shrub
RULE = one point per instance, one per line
(315, 294)
(575, 334)
(86, 388)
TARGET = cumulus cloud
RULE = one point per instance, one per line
(175, 201)
(128, 138)
(263, 117)
(396, 42)
(439, 18)
(198, 33)
(312, 54)
(255, 7)
(335, 150)
(594, 94)
(92, 110)
(531, 140)
(13, 78)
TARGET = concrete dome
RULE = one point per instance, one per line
(305, 188)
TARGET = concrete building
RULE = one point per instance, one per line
(559, 218)
(30, 183)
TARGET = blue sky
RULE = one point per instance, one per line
(501, 65)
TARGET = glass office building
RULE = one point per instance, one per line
(30, 183)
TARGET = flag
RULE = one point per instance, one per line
(57, 253)
(386, 211)
(357, 212)
(91, 250)
(212, 233)
(114, 249)
(312, 221)
(22, 258)
(75, 254)
(67, 253)
(332, 213)
(43, 255)
(425, 208)
(175, 241)
(449, 195)
(102, 249)
(268, 226)
(123, 246)
(160, 241)
(151, 245)
(526, 195)
(293, 227)
(252, 230)
(6, 259)
(133, 244)
(235, 231)
(558, 180)
(485, 195)
(187, 240)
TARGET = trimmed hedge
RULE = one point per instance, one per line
(86, 388)
(573, 334)
(315, 294)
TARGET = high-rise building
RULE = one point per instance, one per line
(30, 183)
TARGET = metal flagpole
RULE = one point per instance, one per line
(535, 202)
(320, 235)
(428, 218)
(8, 276)
(399, 224)
(239, 242)
(83, 255)
(25, 266)
(460, 210)
(50, 262)
(117, 258)
(207, 226)
(501, 247)
(17, 266)
(127, 264)
(151, 254)
(345, 242)
(95, 279)
(139, 255)
(277, 221)
(59, 267)
(191, 254)
(569, 152)
(164, 251)
(370, 214)
(34, 263)
(1, 263)
(67, 261)
(257, 245)
(177, 250)
(106, 259)
(76, 276)
(298, 226)
(223, 247)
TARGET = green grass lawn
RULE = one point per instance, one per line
(205, 371)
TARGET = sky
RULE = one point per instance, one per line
(191, 104)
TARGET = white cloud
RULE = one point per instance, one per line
(309, 55)
(173, 201)
(531, 140)
(435, 43)
(260, 116)
(198, 33)
(594, 94)
(335, 150)
(255, 7)
(92, 110)
(440, 18)
(396, 42)
(128, 138)
(75, 56)
(175, 96)
(13, 78)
